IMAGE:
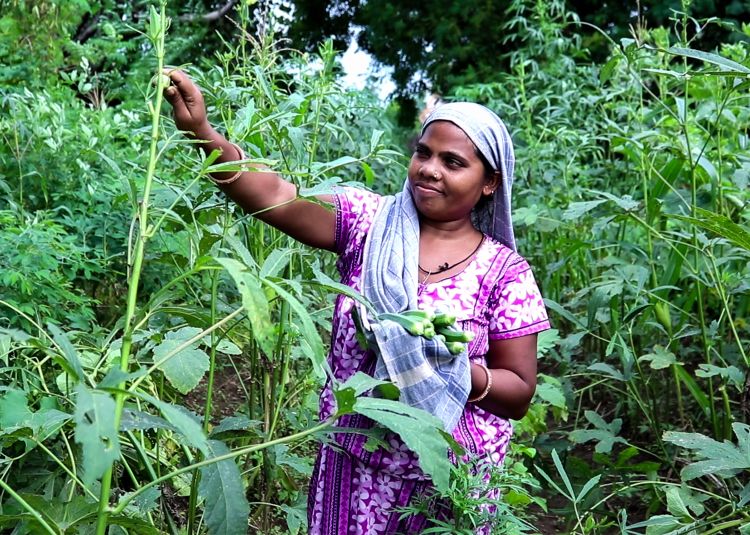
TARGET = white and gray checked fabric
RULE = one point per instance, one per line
(428, 375)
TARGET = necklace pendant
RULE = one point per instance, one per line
(443, 267)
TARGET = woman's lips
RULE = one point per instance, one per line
(426, 189)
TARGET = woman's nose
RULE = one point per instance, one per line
(429, 171)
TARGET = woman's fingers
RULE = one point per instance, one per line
(186, 99)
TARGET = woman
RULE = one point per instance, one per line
(445, 243)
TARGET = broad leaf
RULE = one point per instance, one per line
(683, 503)
(234, 423)
(721, 225)
(186, 368)
(660, 358)
(226, 508)
(95, 431)
(720, 458)
(254, 302)
(576, 209)
(184, 421)
(604, 434)
(419, 430)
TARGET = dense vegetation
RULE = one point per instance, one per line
(130, 287)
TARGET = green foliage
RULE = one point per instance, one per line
(129, 287)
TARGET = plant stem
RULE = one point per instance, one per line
(225, 457)
(33, 512)
(143, 235)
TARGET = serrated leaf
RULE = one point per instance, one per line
(721, 458)
(576, 209)
(184, 369)
(721, 225)
(660, 358)
(419, 430)
(226, 509)
(184, 421)
(254, 302)
(235, 423)
(95, 431)
(551, 394)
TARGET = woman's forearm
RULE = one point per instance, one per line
(509, 395)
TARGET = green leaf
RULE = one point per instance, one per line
(146, 502)
(226, 508)
(186, 368)
(660, 358)
(607, 369)
(708, 57)
(14, 411)
(254, 301)
(234, 423)
(721, 225)
(730, 373)
(552, 394)
(95, 431)
(546, 340)
(605, 73)
(576, 209)
(69, 352)
(284, 457)
(681, 501)
(720, 458)
(186, 423)
(135, 420)
(310, 338)
(275, 263)
(604, 434)
(419, 430)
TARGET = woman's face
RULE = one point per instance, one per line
(446, 176)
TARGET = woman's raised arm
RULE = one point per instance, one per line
(262, 193)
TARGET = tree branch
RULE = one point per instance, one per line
(211, 16)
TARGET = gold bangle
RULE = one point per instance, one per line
(225, 181)
(487, 388)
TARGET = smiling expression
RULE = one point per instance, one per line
(446, 175)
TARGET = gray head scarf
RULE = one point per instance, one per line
(488, 133)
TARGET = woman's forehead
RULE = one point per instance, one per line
(448, 133)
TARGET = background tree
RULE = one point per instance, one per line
(441, 45)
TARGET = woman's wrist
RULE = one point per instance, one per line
(481, 376)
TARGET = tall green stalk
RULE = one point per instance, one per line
(158, 24)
